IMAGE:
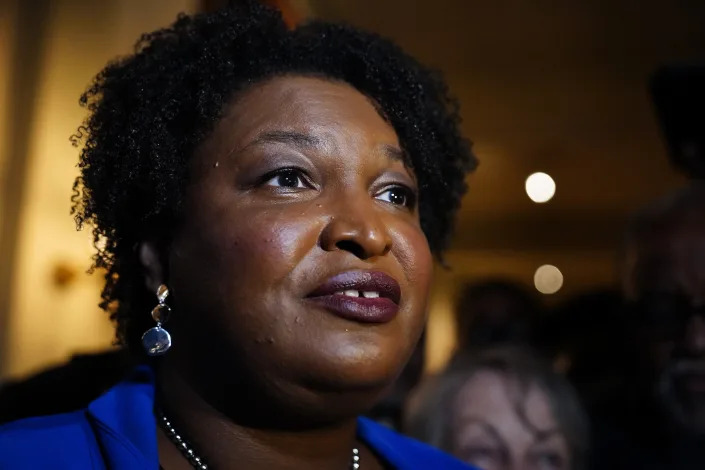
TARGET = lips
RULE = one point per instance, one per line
(362, 296)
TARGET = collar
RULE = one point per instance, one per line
(124, 422)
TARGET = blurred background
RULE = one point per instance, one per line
(548, 87)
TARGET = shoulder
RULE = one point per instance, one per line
(404, 453)
(58, 441)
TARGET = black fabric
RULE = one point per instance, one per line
(64, 388)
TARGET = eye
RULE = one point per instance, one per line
(397, 195)
(483, 457)
(549, 460)
(286, 178)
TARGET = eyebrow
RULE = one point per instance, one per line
(540, 436)
(299, 139)
(394, 152)
(287, 137)
(488, 428)
(547, 434)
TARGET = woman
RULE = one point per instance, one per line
(502, 409)
(266, 203)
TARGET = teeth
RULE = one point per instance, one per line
(357, 293)
(349, 293)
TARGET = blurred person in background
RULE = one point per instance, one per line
(661, 425)
(502, 408)
(568, 335)
(488, 313)
(495, 311)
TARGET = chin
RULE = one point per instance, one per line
(345, 387)
(360, 362)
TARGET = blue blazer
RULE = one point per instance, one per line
(118, 431)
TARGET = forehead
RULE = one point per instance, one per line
(494, 398)
(324, 108)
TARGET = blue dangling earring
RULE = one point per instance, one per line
(157, 340)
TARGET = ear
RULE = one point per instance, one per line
(154, 272)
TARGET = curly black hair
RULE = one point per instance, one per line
(149, 111)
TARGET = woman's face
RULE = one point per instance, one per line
(490, 433)
(300, 270)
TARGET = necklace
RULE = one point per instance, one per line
(198, 463)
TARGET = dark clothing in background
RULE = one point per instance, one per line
(64, 388)
(635, 434)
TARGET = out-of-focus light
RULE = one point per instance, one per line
(548, 279)
(540, 187)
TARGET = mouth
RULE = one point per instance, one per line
(361, 296)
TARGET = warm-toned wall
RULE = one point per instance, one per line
(6, 32)
(22, 45)
(6, 15)
(53, 304)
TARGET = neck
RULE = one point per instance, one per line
(223, 442)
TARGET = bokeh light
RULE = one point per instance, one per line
(540, 187)
(548, 279)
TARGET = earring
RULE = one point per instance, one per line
(157, 340)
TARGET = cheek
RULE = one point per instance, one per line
(411, 250)
(239, 258)
(273, 243)
(414, 255)
(240, 243)
(234, 273)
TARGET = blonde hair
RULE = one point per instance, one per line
(431, 419)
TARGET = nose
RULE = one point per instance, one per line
(358, 229)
